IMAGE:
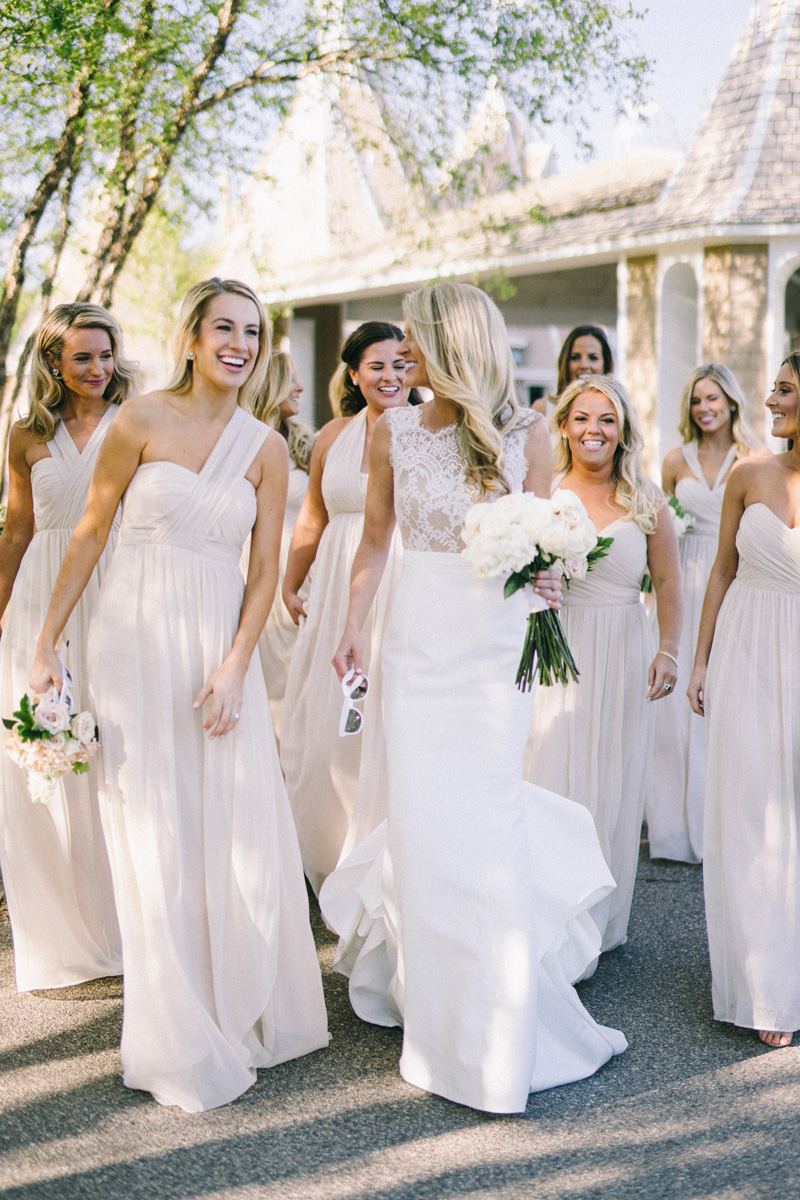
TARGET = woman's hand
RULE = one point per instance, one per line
(662, 677)
(294, 604)
(350, 654)
(548, 584)
(46, 672)
(696, 690)
(226, 687)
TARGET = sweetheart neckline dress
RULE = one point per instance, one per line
(592, 740)
(751, 864)
(221, 972)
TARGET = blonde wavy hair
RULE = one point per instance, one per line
(46, 392)
(190, 318)
(279, 383)
(467, 354)
(744, 438)
(633, 491)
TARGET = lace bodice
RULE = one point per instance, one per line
(431, 494)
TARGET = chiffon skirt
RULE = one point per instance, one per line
(751, 868)
(592, 740)
(54, 860)
(221, 974)
(464, 916)
(676, 787)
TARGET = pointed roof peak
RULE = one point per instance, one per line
(743, 162)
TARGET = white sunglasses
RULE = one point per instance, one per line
(354, 687)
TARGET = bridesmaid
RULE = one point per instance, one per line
(467, 922)
(746, 681)
(54, 862)
(592, 740)
(715, 433)
(277, 406)
(585, 352)
(323, 770)
(221, 974)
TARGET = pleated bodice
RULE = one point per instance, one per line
(696, 497)
(164, 500)
(344, 484)
(617, 578)
(769, 552)
(60, 483)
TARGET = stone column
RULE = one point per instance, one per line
(641, 372)
(327, 320)
(734, 318)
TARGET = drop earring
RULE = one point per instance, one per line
(190, 356)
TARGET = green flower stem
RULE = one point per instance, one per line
(545, 639)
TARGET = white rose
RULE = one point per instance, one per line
(83, 728)
(580, 540)
(575, 568)
(52, 715)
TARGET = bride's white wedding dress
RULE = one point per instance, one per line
(221, 973)
(54, 860)
(463, 917)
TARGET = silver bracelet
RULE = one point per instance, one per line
(667, 654)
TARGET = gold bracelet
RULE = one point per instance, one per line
(667, 654)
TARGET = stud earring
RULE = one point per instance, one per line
(190, 356)
(56, 373)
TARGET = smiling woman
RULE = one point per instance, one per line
(336, 787)
(591, 740)
(221, 975)
(54, 862)
(746, 682)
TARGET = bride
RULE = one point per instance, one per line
(457, 916)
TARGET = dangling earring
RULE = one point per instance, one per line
(55, 372)
(190, 356)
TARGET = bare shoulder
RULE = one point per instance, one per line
(655, 494)
(20, 444)
(673, 460)
(330, 431)
(144, 413)
(749, 470)
(535, 428)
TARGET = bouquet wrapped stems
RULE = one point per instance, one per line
(545, 641)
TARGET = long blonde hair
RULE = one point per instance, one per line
(47, 392)
(190, 317)
(277, 386)
(632, 490)
(743, 437)
(467, 354)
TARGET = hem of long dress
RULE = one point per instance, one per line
(52, 982)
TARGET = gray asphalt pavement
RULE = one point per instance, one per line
(693, 1109)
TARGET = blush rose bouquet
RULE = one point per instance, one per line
(518, 535)
(46, 739)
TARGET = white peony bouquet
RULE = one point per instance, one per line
(521, 534)
(47, 740)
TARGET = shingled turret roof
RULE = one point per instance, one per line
(743, 165)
